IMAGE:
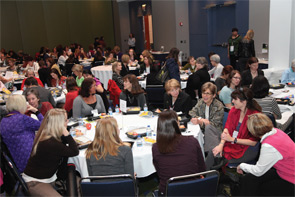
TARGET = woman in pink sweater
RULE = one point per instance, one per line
(274, 173)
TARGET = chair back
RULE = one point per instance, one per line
(114, 91)
(225, 115)
(112, 185)
(155, 95)
(20, 183)
(199, 184)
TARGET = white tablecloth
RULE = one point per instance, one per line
(103, 73)
(142, 157)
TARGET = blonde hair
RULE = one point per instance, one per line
(259, 124)
(16, 103)
(171, 84)
(106, 140)
(78, 68)
(125, 58)
(249, 34)
(210, 86)
(52, 125)
(114, 66)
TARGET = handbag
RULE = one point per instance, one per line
(163, 74)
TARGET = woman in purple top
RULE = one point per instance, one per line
(174, 154)
(18, 130)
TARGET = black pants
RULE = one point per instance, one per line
(269, 184)
(233, 61)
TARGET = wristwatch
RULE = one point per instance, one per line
(235, 140)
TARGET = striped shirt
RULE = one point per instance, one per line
(269, 104)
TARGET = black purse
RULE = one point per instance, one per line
(163, 74)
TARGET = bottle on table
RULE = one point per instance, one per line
(148, 131)
(117, 109)
(80, 121)
(139, 141)
(110, 111)
(145, 108)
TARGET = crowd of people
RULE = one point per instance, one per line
(240, 89)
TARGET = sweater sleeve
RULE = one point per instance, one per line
(32, 124)
(66, 151)
(129, 169)
(77, 107)
(141, 100)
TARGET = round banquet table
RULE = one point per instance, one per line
(103, 73)
(142, 156)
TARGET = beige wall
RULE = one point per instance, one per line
(28, 25)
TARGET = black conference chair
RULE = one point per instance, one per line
(199, 184)
(21, 188)
(112, 185)
(68, 68)
(155, 96)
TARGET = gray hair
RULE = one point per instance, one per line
(215, 58)
(293, 63)
(203, 61)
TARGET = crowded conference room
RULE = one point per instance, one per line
(147, 98)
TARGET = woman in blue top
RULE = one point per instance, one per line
(172, 64)
(289, 74)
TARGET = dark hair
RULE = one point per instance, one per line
(136, 88)
(35, 92)
(55, 71)
(168, 132)
(227, 69)
(42, 64)
(174, 52)
(85, 87)
(51, 61)
(246, 94)
(250, 61)
(71, 83)
(260, 86)
(234, 29)
(31, 81)
(87, 72)
(231, 75)
(155, 67)
(28, 58)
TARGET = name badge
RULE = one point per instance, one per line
(235, 134)
(231, 48)
(94, 112)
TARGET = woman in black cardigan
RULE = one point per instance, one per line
(175, 99)
(251, 71)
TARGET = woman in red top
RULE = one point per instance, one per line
(73, 92)
(57, 79)
(236, 138)
(33, 98)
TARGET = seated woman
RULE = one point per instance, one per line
(236, 140)
(52, 142)
(274, 172)
(289, 74)
(191, 65)
(110, 58)
(78, 71)
(51, 64)
(107, 155)
(175, 99)
(31, 64)
(33, 98)
(99, 88)
(133, 93)
(251, 72)
(172, 64)
(11, 65)
(125, 66)
(73, 92)
(216, 71)
(31, 73)
(18, 130)
(117, 67)
(133, 57)
(232, 83)
(57, 80)
(196, 80)
(87, 100)
(173, 153)
(208, 113)
(145, 67)
(44, 73)
(220, 82)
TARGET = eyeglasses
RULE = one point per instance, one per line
(237, 78)
(206, 93)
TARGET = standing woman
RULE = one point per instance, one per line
(274, 172)
(196, 80)
(246, 49)
(175, 99)
(107, 155)
(133, 93)
(78, 71)
(131, 41)
(173, 153)
(232, 83)
(87, 100)
(117, 67)
(251, 71)
(172, 64)
(18, 130)
(52, 142)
